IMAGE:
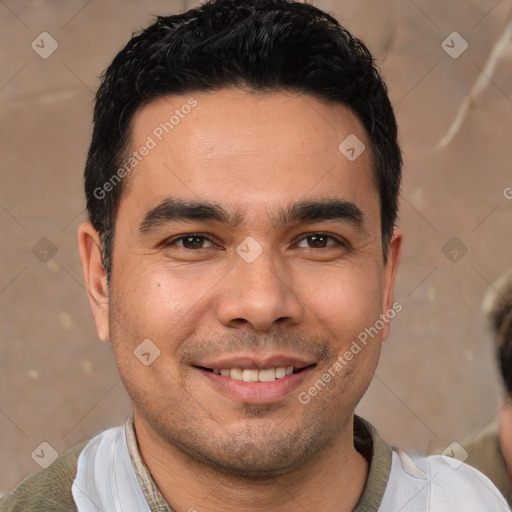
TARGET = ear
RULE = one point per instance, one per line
(95, 277)
(389, 309)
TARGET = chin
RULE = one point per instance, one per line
(250, 453)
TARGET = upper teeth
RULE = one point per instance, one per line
(255, 375)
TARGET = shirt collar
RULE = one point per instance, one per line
(154, 497)
(370, 445)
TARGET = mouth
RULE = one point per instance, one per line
(256, 382)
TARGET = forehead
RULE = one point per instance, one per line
(238, 147)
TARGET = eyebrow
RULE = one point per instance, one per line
(320, 210)
(174, 209)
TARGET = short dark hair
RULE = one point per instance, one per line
(262, 45)
(498, 308)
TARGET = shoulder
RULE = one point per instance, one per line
(438, 483)
(48, 489)
(484, 454)
(483, 446)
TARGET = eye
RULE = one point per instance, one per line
(318, 241)
(191, 241)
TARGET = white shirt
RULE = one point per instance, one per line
(106, 480)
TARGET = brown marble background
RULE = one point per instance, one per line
(436, 381)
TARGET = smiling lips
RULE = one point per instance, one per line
(257, 380)
(257, 368)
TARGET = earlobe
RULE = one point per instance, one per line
(95, 277)
(390, 271)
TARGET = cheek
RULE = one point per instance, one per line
(156, 301)
(346, 301)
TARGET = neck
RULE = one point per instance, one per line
(505, 434)
(333, 481)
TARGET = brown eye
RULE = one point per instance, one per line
(190, 241)
(317, 241)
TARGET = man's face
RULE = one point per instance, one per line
(280, 267)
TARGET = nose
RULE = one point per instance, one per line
(259, 294)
